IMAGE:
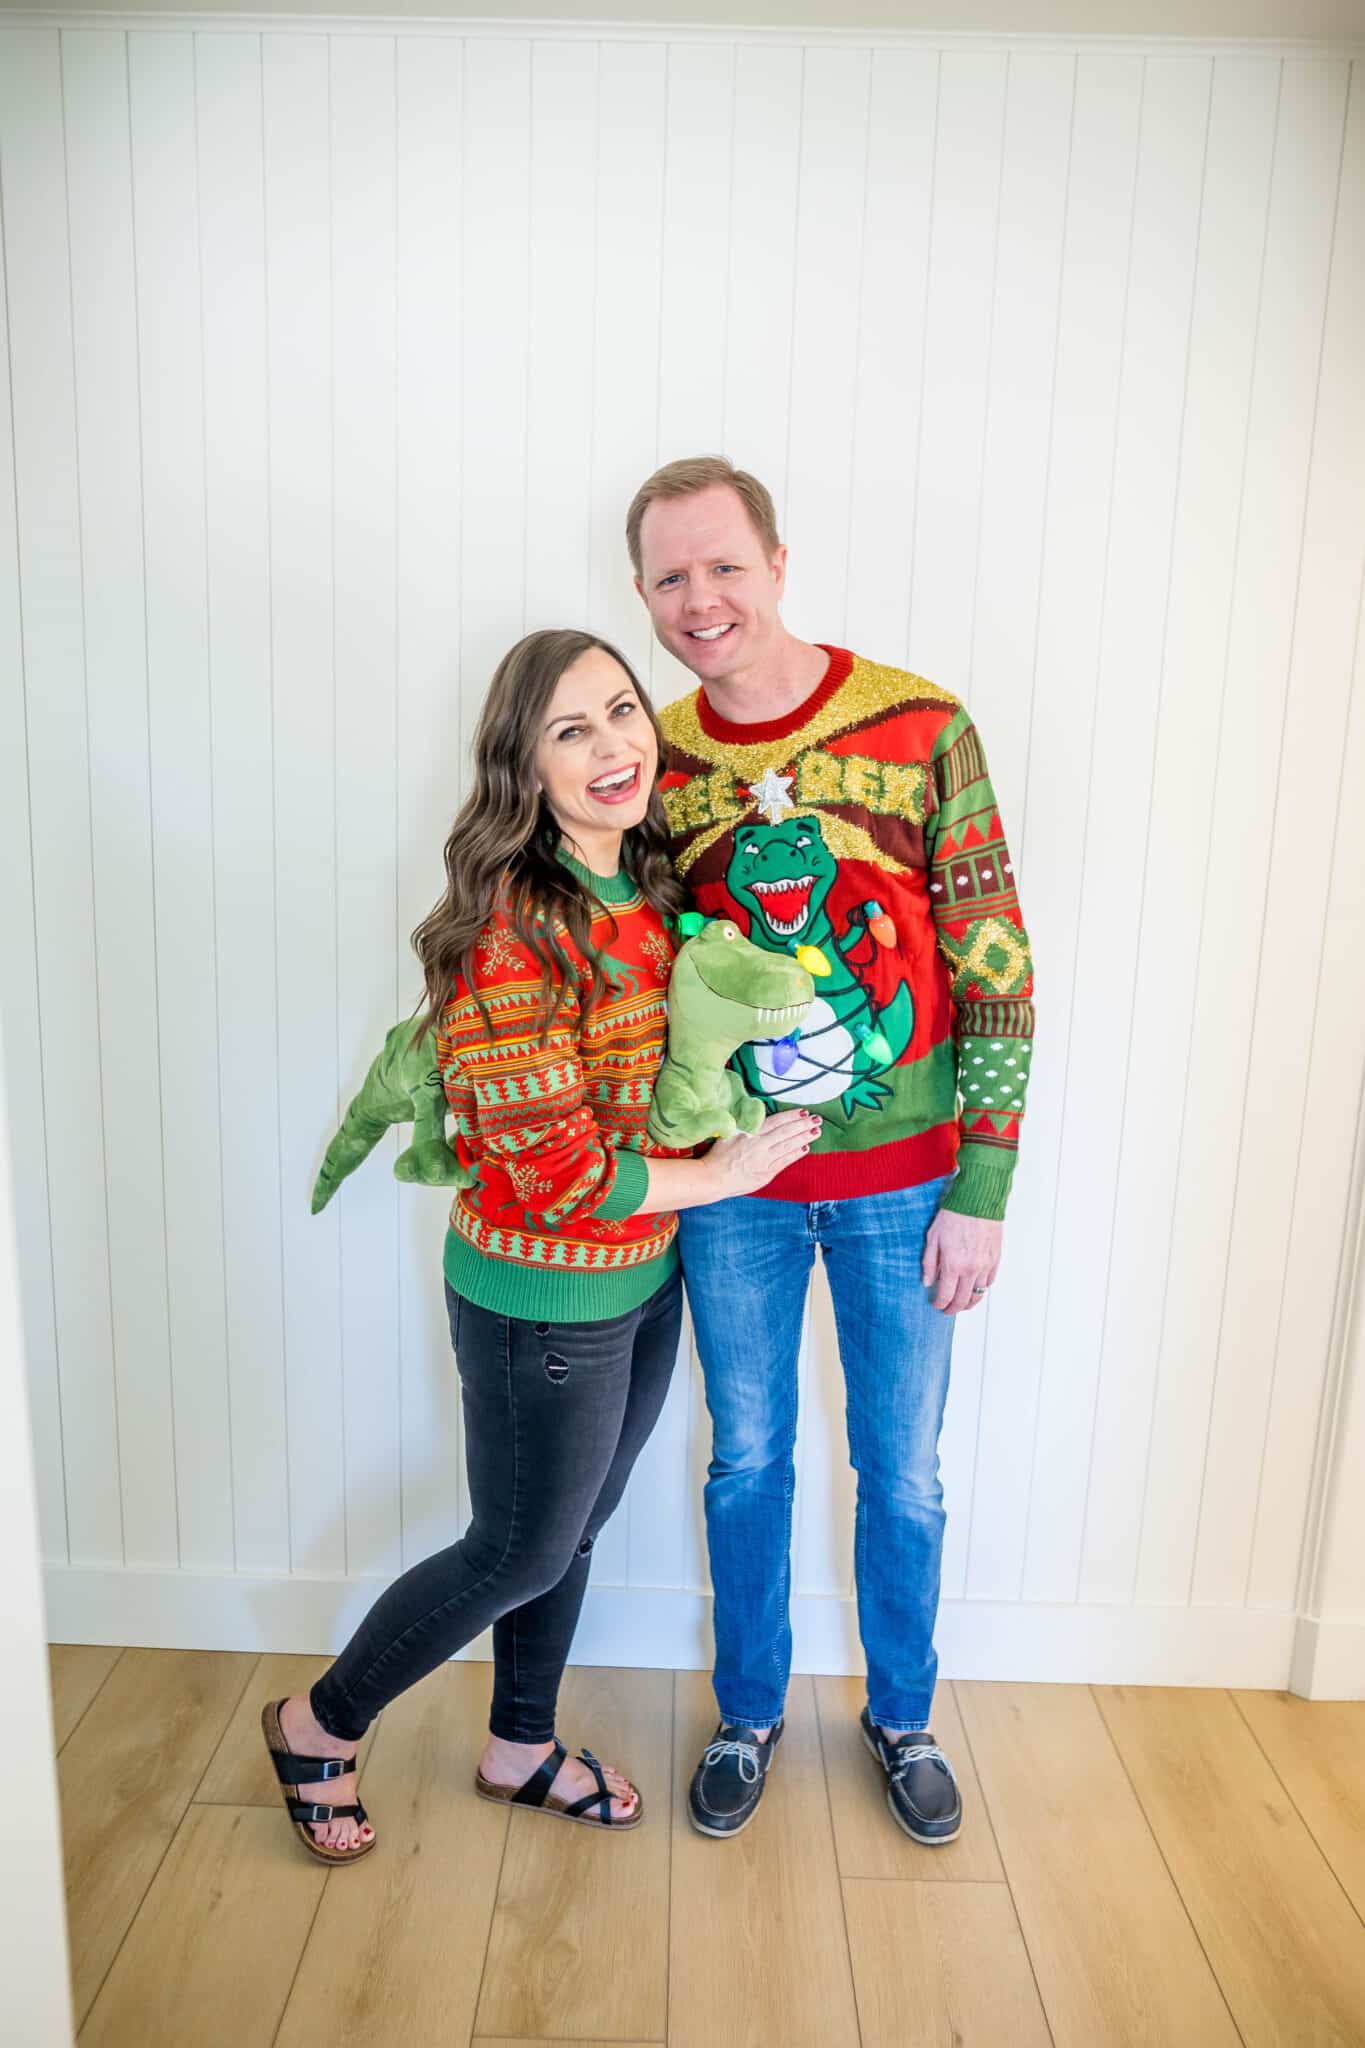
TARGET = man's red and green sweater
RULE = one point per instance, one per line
(862, 831)
(555, 1126)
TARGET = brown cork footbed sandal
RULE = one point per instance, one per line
(309, 1770)
(535, 1794)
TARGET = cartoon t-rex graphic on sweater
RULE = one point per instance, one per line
(782, 875)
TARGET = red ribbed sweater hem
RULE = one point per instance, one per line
(836, 1176)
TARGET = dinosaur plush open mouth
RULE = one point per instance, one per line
(775, 1017)
(785, 904)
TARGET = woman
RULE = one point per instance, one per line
(546, 962)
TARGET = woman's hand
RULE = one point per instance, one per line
(742, 1165)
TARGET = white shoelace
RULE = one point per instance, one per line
(917, 1753)
(747, 1752)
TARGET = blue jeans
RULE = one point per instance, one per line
(747, 1264)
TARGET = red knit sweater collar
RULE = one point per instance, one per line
(718, 728)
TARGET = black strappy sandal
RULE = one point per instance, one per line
(310, 1770)
(535, 1794)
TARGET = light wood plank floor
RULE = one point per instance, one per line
(1149, 1866)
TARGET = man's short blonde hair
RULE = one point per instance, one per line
(698, 473)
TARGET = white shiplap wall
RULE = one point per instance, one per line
(333, 360)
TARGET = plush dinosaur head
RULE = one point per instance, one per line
(724, 993)
(724, 990)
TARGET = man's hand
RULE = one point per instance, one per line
(961, 1253)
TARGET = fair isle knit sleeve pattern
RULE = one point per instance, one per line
(521, 1102)
(981, 935)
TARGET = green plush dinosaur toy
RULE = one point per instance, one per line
(403, 1086)
(724, 992)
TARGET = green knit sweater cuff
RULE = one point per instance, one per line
(982, 1185)
(628, 1189)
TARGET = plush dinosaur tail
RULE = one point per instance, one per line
(402, 1086)
(360, 1132)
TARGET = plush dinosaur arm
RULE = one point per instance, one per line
(675, 1106)
(430, 1159)
(689, 1108)
(403, 1085)
(746, 1110)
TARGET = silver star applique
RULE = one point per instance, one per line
(773, 795)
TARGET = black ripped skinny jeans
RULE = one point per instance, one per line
(555, 1416)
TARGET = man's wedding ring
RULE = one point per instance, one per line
(978, 1290)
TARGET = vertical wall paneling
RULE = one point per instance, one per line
(364, 358)
(959, 341)
(228, 107)
(696, 254)
(1035, 154)
(631, 102)
(1050, 834)
(765, 160)
(1241, 136)
(695, 276)
(297, 172)
(956, 372)
(1323, 1185)
(1147, 438)
(893, 305)
(104, 319)
(1256, 1440)
(431, 767)
(19, 993)
(696, 248)
(1322, 1194)
(184, 843)
(47, 491)
(334, 359)
(561, 266)
(1004, 623)
(829, 265)
(496, 299)
(1241, 800)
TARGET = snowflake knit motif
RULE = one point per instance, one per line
(497, 948)
(658, 952)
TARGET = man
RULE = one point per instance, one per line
(842, 811)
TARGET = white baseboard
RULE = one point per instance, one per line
(1329, 1658)
(660, 1627)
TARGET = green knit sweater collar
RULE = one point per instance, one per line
(617, 888)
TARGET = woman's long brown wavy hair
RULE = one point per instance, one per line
(502, 845)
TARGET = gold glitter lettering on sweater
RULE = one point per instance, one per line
(886, 788)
